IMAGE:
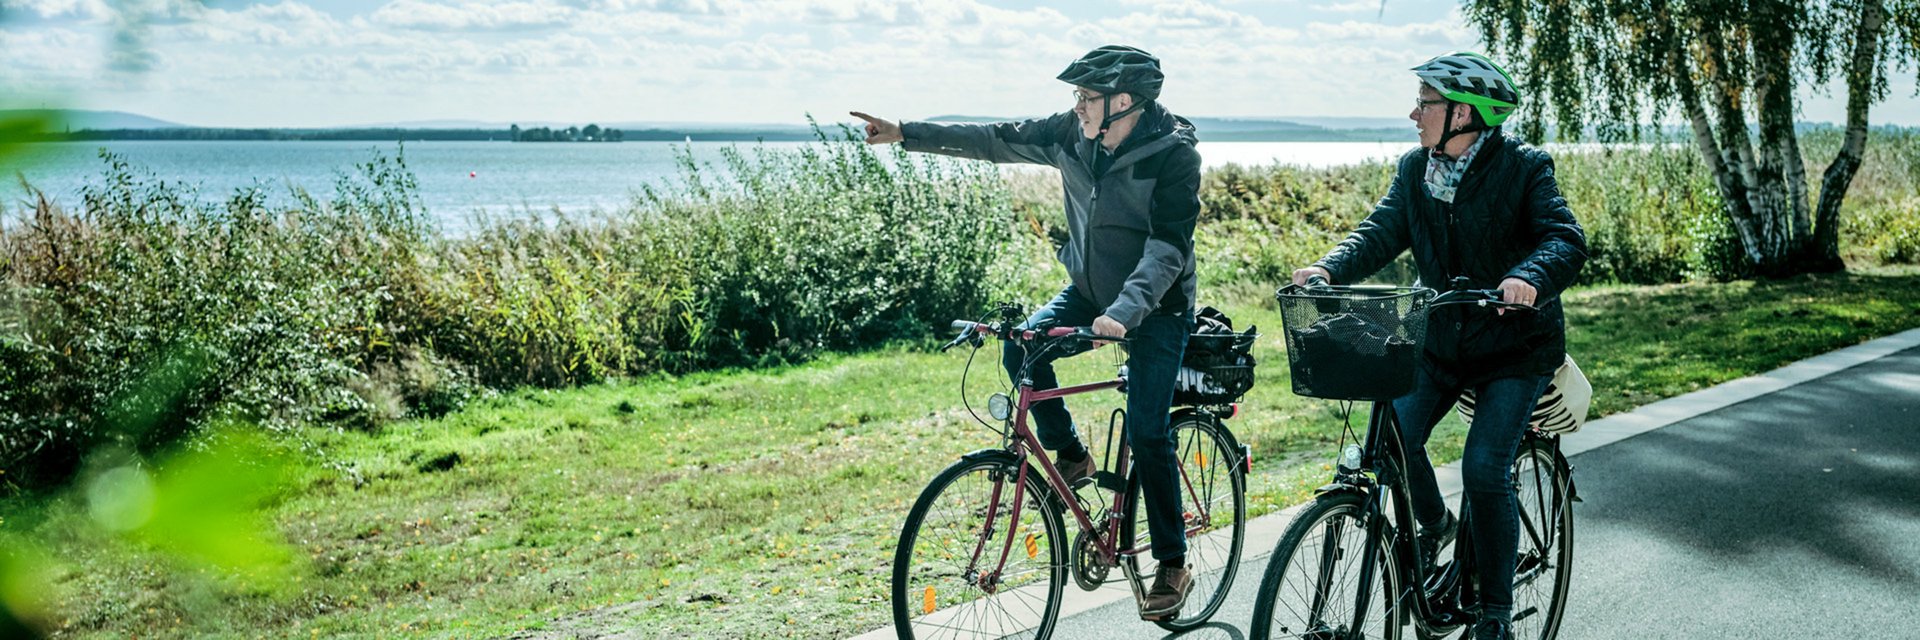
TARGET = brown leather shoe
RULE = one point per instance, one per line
(1076, 473)
(1170, 586)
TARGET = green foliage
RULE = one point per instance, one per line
(1651, 213)
(751, 504)
(359, 310)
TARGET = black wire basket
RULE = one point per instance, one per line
(1354, 343)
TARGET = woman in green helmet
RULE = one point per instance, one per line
(1479, 210)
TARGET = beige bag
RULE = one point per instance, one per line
(1561, 410)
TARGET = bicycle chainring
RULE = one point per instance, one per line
(1088, 572)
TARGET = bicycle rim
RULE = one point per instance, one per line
(1311, 587)
(1541, 572)
(958, 576)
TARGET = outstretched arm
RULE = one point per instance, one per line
(1036, 141)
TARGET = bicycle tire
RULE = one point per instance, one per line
(934, 593)
(1306, 580)
(1207, 454)
(1544, 495)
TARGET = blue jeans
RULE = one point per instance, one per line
(1153, 361)
(1502, 408)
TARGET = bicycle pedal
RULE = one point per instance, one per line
(1110, 481)
(1157, 617)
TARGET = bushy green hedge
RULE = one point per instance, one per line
(1651, 212)
(149, 311)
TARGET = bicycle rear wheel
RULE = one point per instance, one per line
(1544, 495)
(1213, 498)
(966, 568)
(1312, 585)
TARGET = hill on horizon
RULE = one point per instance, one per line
(77, 119)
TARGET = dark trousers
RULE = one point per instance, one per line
(1153, 361)
(1502, 408)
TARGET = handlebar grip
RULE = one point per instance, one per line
(962, 325)
(1317, 280)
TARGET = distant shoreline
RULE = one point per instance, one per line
(194, 134)
(389, 135)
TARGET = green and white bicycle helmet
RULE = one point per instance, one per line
(1467, 77)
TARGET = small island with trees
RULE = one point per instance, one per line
(591, 133)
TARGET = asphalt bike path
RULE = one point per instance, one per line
(1781, 505)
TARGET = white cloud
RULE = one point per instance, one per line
(766, 60)
(91, 10)
(49, 56)
(1433, 33)
(1352, 6)
(472, 16)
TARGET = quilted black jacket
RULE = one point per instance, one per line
(1508, 219)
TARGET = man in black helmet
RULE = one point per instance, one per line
(1132, 184)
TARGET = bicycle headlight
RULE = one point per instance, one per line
(1000, 406)
(1350, 458)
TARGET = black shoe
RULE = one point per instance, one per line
(1490, 629)
(1431, 539)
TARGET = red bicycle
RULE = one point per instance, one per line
(984, 551)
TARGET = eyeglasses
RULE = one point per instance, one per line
(1082, 97)
(1423, 103)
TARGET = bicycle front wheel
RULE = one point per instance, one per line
(971, 565)
(1544, 495)
(1213, 500)
(1312, 585)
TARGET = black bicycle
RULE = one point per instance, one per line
(1348, 566)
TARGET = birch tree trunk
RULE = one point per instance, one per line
(1824, 254)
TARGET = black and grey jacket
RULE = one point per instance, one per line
(1508, 220)
(1130, 216)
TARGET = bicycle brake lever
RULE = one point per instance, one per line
(964, 335)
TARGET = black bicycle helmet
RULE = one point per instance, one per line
(1117, 69)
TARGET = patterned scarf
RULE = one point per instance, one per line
(1443, 175)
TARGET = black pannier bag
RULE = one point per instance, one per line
(1217, 367)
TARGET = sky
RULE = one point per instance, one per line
(293, 63)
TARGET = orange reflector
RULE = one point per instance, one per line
(1200, 457)
(1033, 546)
(927, 605)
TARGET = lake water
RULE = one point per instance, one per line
(457, 178)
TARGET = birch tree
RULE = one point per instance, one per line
(1730, 68)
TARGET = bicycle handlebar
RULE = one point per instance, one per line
(1480, 298)
(977, 331)
(1491, 298)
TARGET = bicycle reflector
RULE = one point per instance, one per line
(1000, 406)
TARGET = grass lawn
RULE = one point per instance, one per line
(766, 503)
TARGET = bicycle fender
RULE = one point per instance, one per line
(1337, 487)
(1001, 455)
(1573, 490)
(1245, 464)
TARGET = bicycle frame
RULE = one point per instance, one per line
(1024, 443)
